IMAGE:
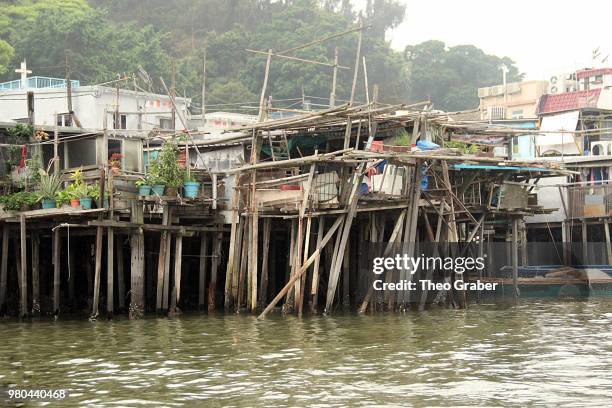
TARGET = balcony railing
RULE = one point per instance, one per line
(38, 82)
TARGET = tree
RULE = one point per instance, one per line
(450, 77)
(6, 54)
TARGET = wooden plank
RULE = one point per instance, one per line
(303, 268)
(166, 291)
(244, 255)
(237, 264)
(23, 295)
(4, 266)
(203, 270)
(231, 257)
(110, 271)
(35, 238)
(97, 273)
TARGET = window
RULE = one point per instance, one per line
(114, 146)
(165, 123)
(122, 121)
(64, 119)
(517, 114)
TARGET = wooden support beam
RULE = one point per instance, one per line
(161, 262)
(314, 289)
(303, 269)
(110, 271)
(23, 293)
(216, 260)
(235, 240)
(585, 238)
(97, 273)
(263, 288)
(56, 270)
(35, 238)
(244, 255)
(137, 297)
(606, 226)
(203, 270)
(178, 264)
(515, 257)
(120, 275)
(237, 262)
(4, 266)
(166, 292)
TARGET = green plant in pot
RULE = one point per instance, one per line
(191, 186)
(78, 190)
(155, 180)
(20, 201)
(144, 186)
(49, 187)
(94, 193)
(169, 169)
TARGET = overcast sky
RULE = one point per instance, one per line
(542, 36)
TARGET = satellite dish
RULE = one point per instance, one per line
(553, 80)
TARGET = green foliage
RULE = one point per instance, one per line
(6, 54)
(188, 176)
(450, 76)
(14, 202)
(169, 170)
(463, 147)
(49, 185)
(403, 139)
(78, 188)
(154, 177)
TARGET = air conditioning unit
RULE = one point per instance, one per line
(561, 83)
(601, 148)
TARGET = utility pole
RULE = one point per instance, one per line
(173, 92)
(204, 90)
(332, 96)
(357, 58)
(117, 116)
(73, 117)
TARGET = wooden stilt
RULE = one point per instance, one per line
(203, 270)
(110, 271)
(346, 302)
(35, 238)
(244, 255)
(178, 264)
(4, 266)
(515, 257)
(314, 289)
(23, 296)
(237, 263)
(161, 263)
(71, 278)
(56, 270)
(585, 248)
(303, 268)
(120, 275)
(216, 260)
(166, 291)
(253, 259)
(97, 273)
(263, 288)
(137, 297)
(606, 226)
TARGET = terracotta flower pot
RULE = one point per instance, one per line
(75, 202)
(116, 170)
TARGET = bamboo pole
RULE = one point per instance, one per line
(263, 288)
(213, 273)
(314, 290)
(178, 264)
(98, 272)
(161, 263)
(110, 271)
(137, 292)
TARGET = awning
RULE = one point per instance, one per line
(556, 140)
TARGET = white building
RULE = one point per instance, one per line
(94, 106)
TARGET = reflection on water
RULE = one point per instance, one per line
(539, 353)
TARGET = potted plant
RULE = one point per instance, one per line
(94, 193)
(115, 163)
(155, 180)
(169, 169)
(77, 190)
(20, 201)
(144, 186)
(49, 187)
(191, 187)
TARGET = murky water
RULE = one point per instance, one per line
(539, 353)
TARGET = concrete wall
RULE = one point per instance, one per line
(89, 104)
